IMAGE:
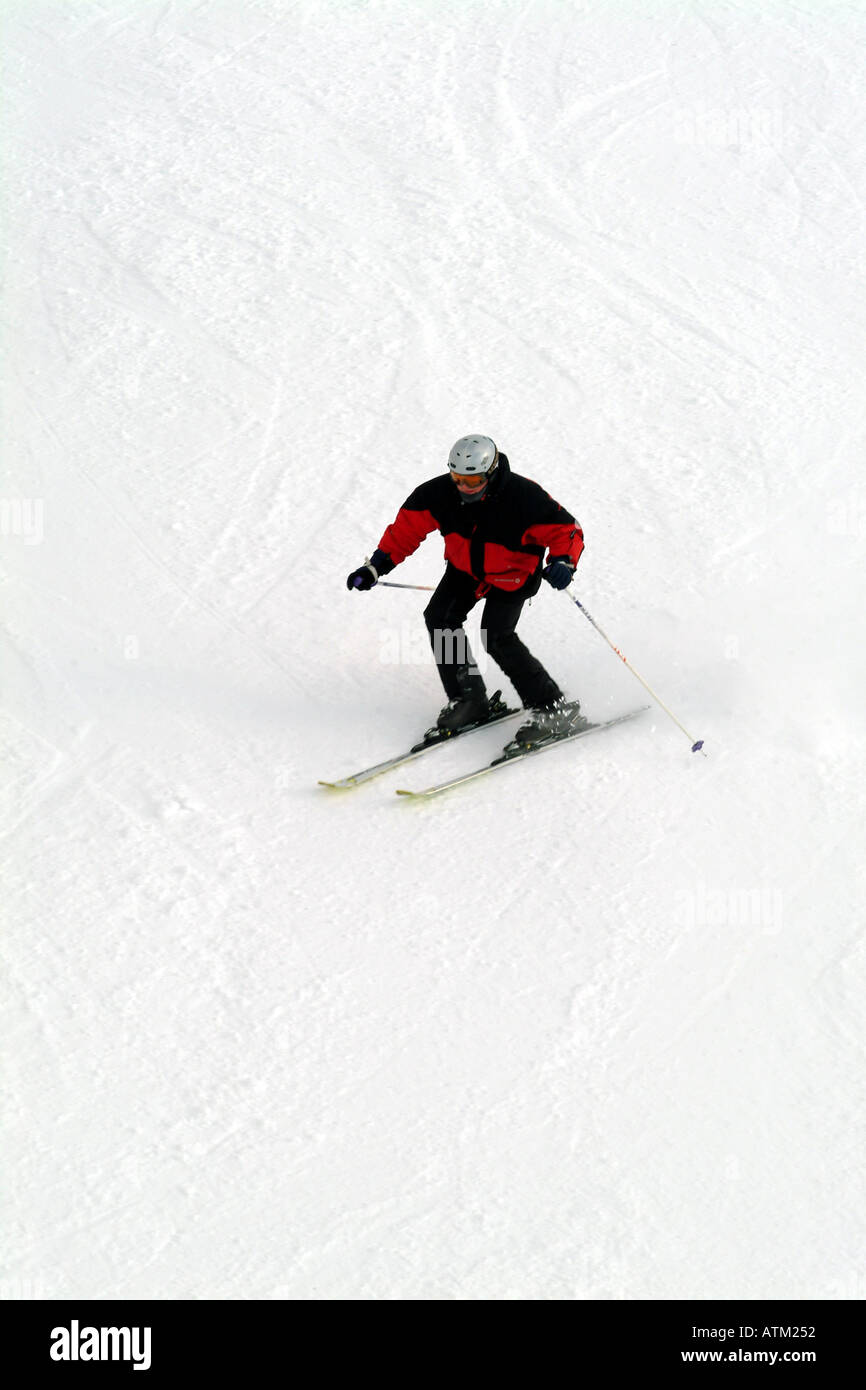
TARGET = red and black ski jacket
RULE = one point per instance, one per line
(500, 540)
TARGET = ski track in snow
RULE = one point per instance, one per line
(591, 1029)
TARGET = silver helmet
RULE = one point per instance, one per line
(472, 462)
(475, 453)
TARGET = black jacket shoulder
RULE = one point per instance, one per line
(511, 499)
(431, 496)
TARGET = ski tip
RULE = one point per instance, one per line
(335, 786)
(404, 791)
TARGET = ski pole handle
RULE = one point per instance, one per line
(697, 744)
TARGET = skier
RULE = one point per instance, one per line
(497, 527)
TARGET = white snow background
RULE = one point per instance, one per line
(592, 1028)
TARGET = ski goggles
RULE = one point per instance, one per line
(470, 482)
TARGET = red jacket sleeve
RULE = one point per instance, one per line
(564, 539)
(406, 533)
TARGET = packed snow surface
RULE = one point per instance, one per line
(588, 1029)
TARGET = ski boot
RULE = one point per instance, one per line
(558, 720)
(471, 706)
(496, 708)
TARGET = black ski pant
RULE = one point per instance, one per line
(445, 615)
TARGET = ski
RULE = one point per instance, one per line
(505, 759)
(367, 774)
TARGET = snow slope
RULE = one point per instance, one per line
(591, 1029)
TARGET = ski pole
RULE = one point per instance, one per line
(698, 744)
(389, 584)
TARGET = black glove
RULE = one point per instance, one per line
(371, 571)
(363, 578)
(558, 571)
